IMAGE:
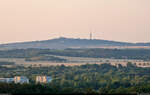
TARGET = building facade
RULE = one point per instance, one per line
(21, 79)
(43, 79)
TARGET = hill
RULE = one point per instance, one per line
(62, 43)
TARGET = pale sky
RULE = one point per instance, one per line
(30, 20)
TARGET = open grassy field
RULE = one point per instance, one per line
(73, 61)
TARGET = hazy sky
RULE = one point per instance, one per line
(119, 20)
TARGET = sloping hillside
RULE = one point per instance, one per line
(62, 43)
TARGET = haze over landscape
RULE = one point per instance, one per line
(30, 20)
(74, 47)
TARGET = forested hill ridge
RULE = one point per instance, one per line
(62, 43)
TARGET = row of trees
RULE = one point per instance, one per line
(46, 58)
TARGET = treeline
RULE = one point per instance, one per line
(20, 53)
(143, 54)
(102, 79)
(7, 63)
(46, 58)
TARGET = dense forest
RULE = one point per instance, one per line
(85, 79)
(143, 54)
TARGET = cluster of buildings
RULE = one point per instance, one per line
(23, 79)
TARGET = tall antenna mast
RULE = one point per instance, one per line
(90, 34)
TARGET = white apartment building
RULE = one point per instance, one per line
(7, 80)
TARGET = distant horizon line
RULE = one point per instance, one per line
(68, 38)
